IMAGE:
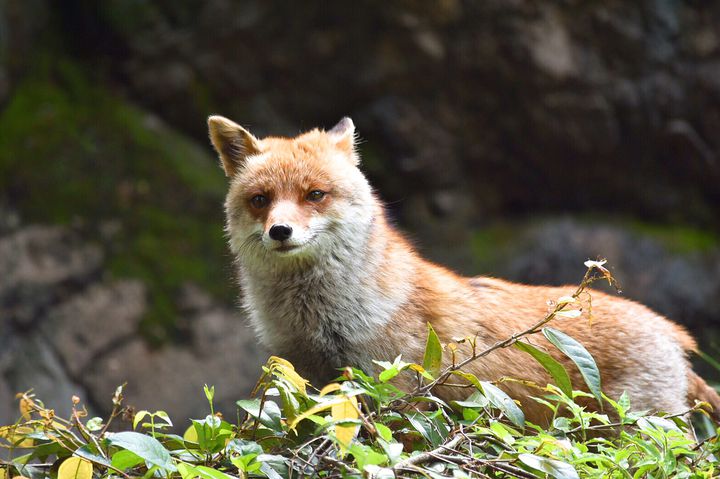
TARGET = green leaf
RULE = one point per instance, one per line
(124, 460)
(243, 447)
(210, 473)
(475, 400)
(85, 453)
(432, 361)
(94, 424)
(580, 356)
(270, 417)
(552, 366)
(624, 402)
(384, 431)
(503, 402)
(164, 416)
(144, 446)
(188, 471)
(209, 392)
(502, 433)
(365, 455)
(139, 417)
(433, 430)
(388, 374)
(273, 466)
(556, 469)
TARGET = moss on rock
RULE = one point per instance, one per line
(73, 152)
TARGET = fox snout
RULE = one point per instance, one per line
(280, 232)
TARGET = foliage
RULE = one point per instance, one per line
(105, 165)
(363, 425)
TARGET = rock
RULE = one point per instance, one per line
(32, 363)
(38, 265)
(9, 220)
(443, 90)
(551, 47)
(98, 319)
(682, 286)
(8, 407)
(223, 353)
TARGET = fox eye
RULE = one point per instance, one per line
(259, 201)
(315, 196)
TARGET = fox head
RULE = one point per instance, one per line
(292, 199)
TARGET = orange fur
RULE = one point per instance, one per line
(359, 291)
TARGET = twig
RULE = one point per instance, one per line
(587, 280)
(337, 463)
(600, 427)
(427, 456)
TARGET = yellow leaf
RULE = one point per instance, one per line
(286, 370)
(2, 472)
(419, 369)
(278, 360)
(332, 387)
(316, 409)
(347, 409)
(75, 468)
(59, 425)
(191, 434)
(15, 435)
(26, 407)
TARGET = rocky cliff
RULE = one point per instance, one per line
(482, 123)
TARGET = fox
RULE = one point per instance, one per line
(328, 281)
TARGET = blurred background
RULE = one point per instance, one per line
(512, 138)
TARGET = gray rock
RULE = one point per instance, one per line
(38, 265)
(682, 286)
(8, 406)
(32, 363)
(223, 353)
(85, 326)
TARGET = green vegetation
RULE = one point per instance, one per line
(75, 153)
(364, 426)
(678, 238)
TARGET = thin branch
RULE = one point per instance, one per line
(589, 278)
(427, 456)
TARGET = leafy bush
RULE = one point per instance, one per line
(363, 425)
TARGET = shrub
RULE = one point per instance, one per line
(362, 425)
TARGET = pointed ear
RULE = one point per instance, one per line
(343, 134)
(232, 142)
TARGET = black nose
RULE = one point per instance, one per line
(280, 232)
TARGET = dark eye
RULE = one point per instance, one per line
(315, 195)
(259, 201)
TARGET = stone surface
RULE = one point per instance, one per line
(684, 286)
(94, 321)
(530, 103)
(8, 407)
(68, 331)
(40, 264)
(469, 112)
(33, 363)
(222, 353)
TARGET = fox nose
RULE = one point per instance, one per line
(280, 232)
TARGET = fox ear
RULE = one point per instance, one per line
(232, 142)
(343, 134)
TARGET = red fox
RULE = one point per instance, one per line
(328, 282)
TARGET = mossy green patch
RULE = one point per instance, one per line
(678, 238)
(71, 150)
(491, 244)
